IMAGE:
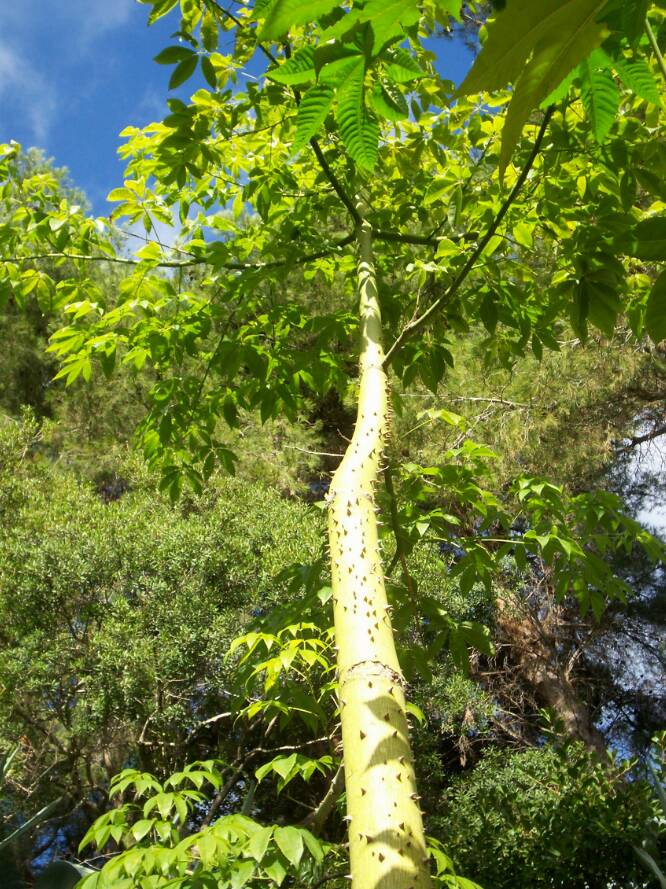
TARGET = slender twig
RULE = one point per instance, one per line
(97, 258)
(222, 794)
(313, 453)
(180, 264)
(655, 47)
(641, 439)
(425, 240)
(451, 292)
(218, 10)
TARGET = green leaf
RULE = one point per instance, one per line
(416, 712)
(636, 75)
(358, 127)
(173, 54)
(208, 71)
(285, 14)
(603, 306)
(183, 71)
(259, 843)
(650, 241)
(241, 873)
(488, 313)
(160, 8)
(523, 234)
(209, 33)
(142, 827)
(312, 112)
(601, 97)
(296, 71)
(62, 875)
(389, 103)
(389, 18)
(290, 842)
(450, 7)
(315, 848)
(402, 67)
(556, 34)
(655, 310)
(525, 27)
(276, 871)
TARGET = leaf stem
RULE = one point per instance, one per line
(655, 47)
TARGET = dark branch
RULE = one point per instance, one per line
(335, 182)
(641, 439)
(421, 240)
(452, 291)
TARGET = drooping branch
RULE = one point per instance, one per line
(637, 440)
(452, 290)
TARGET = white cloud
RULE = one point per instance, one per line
(96, 18)
(88, 20)
(25, 93)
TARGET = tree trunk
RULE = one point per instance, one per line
(386, 840)
(534, 650)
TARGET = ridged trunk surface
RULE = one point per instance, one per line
(386, 839)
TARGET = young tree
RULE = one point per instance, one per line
(350, 141)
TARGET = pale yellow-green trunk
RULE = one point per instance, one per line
(386, 840)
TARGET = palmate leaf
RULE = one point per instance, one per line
(285, 14)
(296, 71)
(389, 18)
(575, 34)
(554, 35)
(358, 127)
(389, 103)
(312, 111)
(600, 94)
(636, 75)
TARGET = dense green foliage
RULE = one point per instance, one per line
(517, 820)
(152, 617)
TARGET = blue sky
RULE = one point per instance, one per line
(74, 73)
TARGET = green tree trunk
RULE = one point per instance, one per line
(386, 840)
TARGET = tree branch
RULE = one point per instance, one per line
(335, 182)
(316, 819)
(641, 439)
(452, 291)
(188, 263)
(424, 240)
